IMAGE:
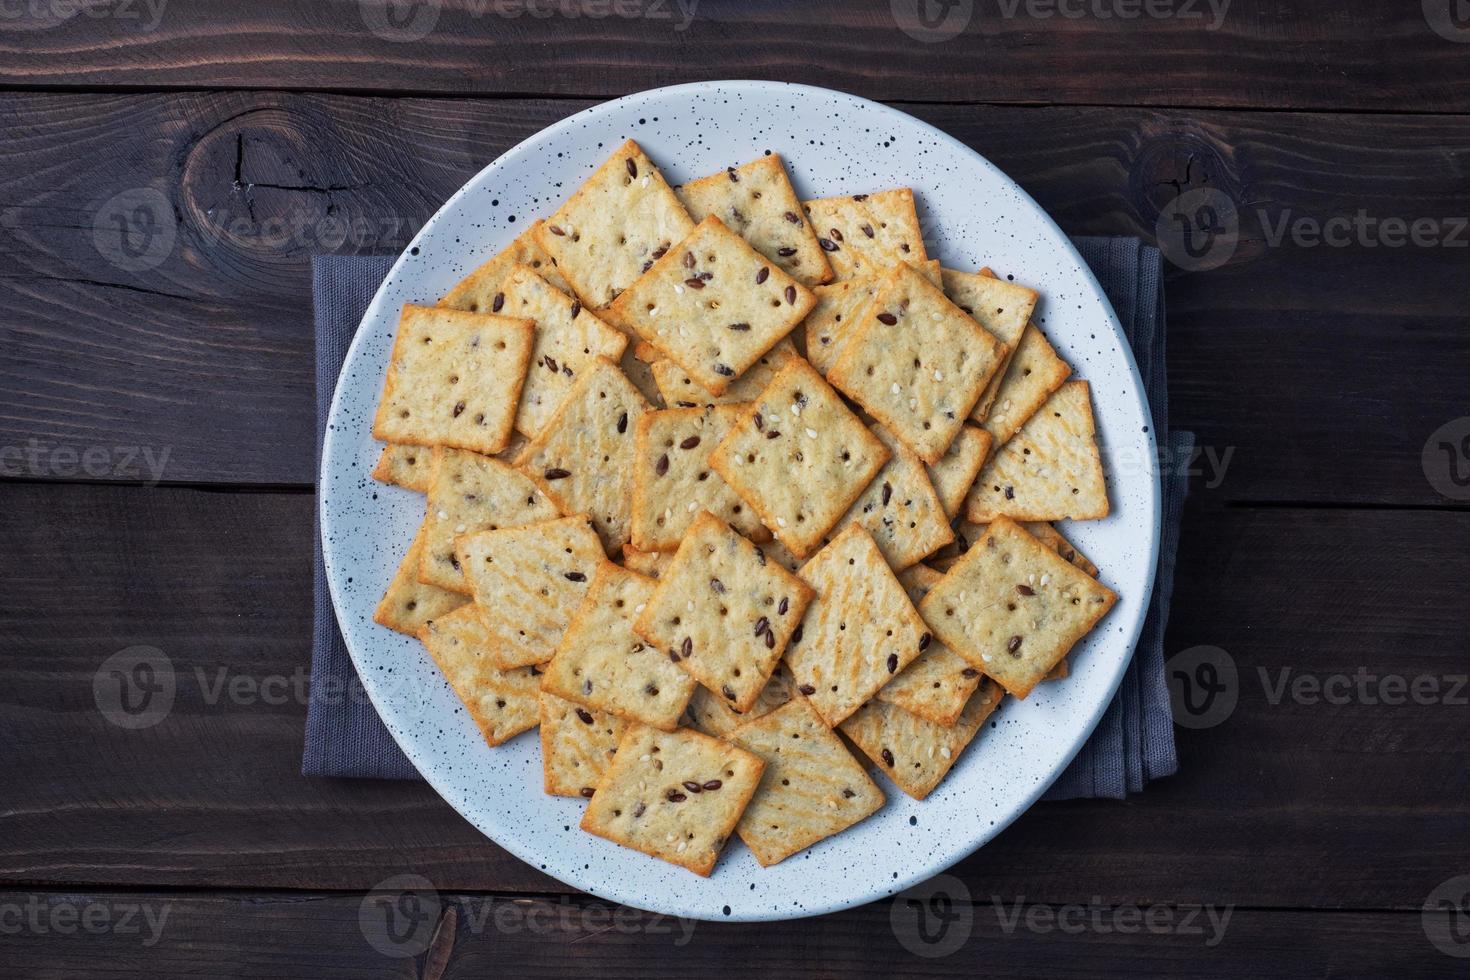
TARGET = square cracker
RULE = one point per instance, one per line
(966, 534)
(917, 363)
(678, 390)
(757, 202)
(672, 480)
(956, 470)
(527, 582)
(840, 305)
(568, 339)
(454, 379)
(650, 564)
(799, 456)
(476, 291)
(811, 788)
(713, 715)
(1003, 308)
(470, 493)
(912, 751)
(713, 305)
(1035, 371)
(939, 682)
(723, 612)
(1013, 607)
(577, 746)
(408, 603)
(583, 458)
(601, 663)
(867, 233)
(503, 703)
(1050, 470)
(673, 795)
(407, 466)
(900, 508)
(614, 227)
(858, 632)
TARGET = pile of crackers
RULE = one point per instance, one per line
(727, 492)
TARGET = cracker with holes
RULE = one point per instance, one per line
(956, 470)
(868, 233)
(583, 458)
(502, 703)
(914, 752)
(1034, 373)
(673, 795)
(614, 227)
(917, 363)
(577, 746)
(939, 682)
(569, 339)
(454, 379)
(800, 457)
(1013, 607)
(723, 612)
(840, 305)
(410, 467)
(713, 714)
(859, 631)
(672, 479)
(713, 305)
(601, 663)
(471, 493)
(1048, 471)
(758, 203)
(408, 603)
(1003, 308)
(475, 293)
(811, 789)
(527, 582)
(900, 508)
(678, 390)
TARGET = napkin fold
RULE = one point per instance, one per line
(1133, 744)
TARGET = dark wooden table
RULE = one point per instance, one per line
(156, 450)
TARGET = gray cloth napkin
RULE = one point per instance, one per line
(1135, 740)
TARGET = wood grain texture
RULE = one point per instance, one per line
(1255, 53)
(448, 934)
(1303, 805)
(1290, 360)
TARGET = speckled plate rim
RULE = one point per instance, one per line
(611, 879)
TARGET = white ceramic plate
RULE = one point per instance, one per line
(972, 214)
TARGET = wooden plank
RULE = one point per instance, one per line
(1366, 55)
(445, 934)
(1287, 802)
(1290, 361)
